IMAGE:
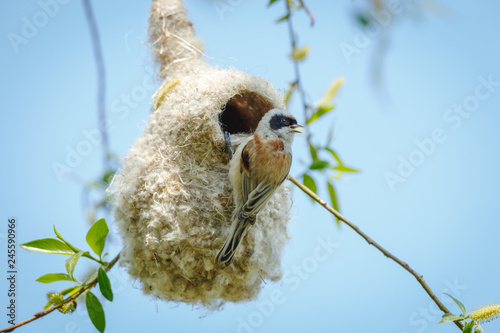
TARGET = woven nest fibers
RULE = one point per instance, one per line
(173, 200)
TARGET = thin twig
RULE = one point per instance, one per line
(101, 81)
(311, 17)
(370, 241)
(298, 82)
(73, 297)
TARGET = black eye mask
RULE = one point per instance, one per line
(279, 121)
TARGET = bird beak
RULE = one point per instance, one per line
(294, 128)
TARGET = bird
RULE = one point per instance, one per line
(259, 166)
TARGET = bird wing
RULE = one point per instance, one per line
(238, 230)
(247, 184)
(254, 194)
(258, 198)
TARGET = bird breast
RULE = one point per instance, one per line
(271, 159)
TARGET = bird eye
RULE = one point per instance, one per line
(283, 121)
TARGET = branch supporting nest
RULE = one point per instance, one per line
(370, 241)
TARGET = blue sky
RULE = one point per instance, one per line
(441, 216)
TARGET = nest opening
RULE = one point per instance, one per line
(242, 112)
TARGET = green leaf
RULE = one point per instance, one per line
(363, 20)
(299, 54)
(457, 302)
(314, 152)
(75, 290)
(333, 199)
(333, 196)
(310, 183)
(319, 112)
(65, 242)
(468, 328)
(342, 168)
(283, 18)
(335, 156)
(90, 277)
(53, 277)
(447, 317)
(69, 290)
(330, 136)
(70, 264)
(96, 312)
(289, 92)
(97, 236)
(330, 93)
(478, 329)
(271, 2)
(58, 234)
(108, 175)
(319, 165)
(104, 284)
(93, 185)
(47, 245)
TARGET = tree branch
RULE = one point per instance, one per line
(370, 241)
(101, 81)
(73, 297)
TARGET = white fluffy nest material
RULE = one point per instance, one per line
(173, 200)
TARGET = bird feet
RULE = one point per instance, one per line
(227, 137)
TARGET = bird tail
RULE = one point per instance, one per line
(238, 230)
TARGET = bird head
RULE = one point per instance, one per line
(280, 123)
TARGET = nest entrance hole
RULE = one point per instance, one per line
(243, 112)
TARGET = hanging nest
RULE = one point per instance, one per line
(173, 200)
